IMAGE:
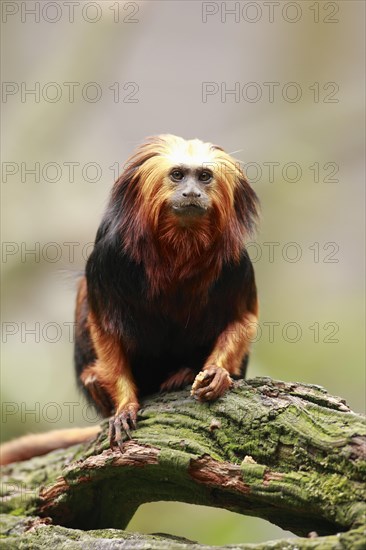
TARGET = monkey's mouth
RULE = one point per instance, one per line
(189, 208)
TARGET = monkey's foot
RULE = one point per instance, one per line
(211, 383)
(178, 379)
(123, 422)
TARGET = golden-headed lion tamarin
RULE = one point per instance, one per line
(169, 296)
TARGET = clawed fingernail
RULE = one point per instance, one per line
(127, 432)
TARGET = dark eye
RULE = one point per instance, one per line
(177, 175)
(205, 176)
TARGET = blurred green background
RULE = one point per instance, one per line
(300, 138)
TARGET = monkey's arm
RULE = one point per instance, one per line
(233, 344)
(225, 359)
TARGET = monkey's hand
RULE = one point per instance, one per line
(122, 423)
(211, 383)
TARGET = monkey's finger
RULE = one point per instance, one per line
(211, 383)
(217, 387)
(202, 379)
(125, 425)
(207, 374)
(213, 393)
(118, 436)
(208, 396)
(133, 420)
(111, 433)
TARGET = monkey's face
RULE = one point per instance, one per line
(190, 194)
(188, 181)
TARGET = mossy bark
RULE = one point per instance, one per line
(286, 452)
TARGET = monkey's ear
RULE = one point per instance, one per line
(124, 184)
(123, 190)
(246, 204)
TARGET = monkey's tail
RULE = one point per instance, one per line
(32, 445)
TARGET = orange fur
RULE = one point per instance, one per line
(182, 264)
(232, 345)
(111, 370)
(178, 251)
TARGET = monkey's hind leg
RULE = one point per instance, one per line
(178, 379)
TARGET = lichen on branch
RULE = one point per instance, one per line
(287, 452)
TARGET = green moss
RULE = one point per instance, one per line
(306, 471)
(252, 473)
(46, 536)
(17, 512)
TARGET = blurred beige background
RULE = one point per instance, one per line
(111, 73)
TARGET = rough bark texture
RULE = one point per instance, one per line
(286, 452)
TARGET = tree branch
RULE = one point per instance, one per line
(289, 453)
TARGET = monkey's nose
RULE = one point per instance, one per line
(192, 194)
